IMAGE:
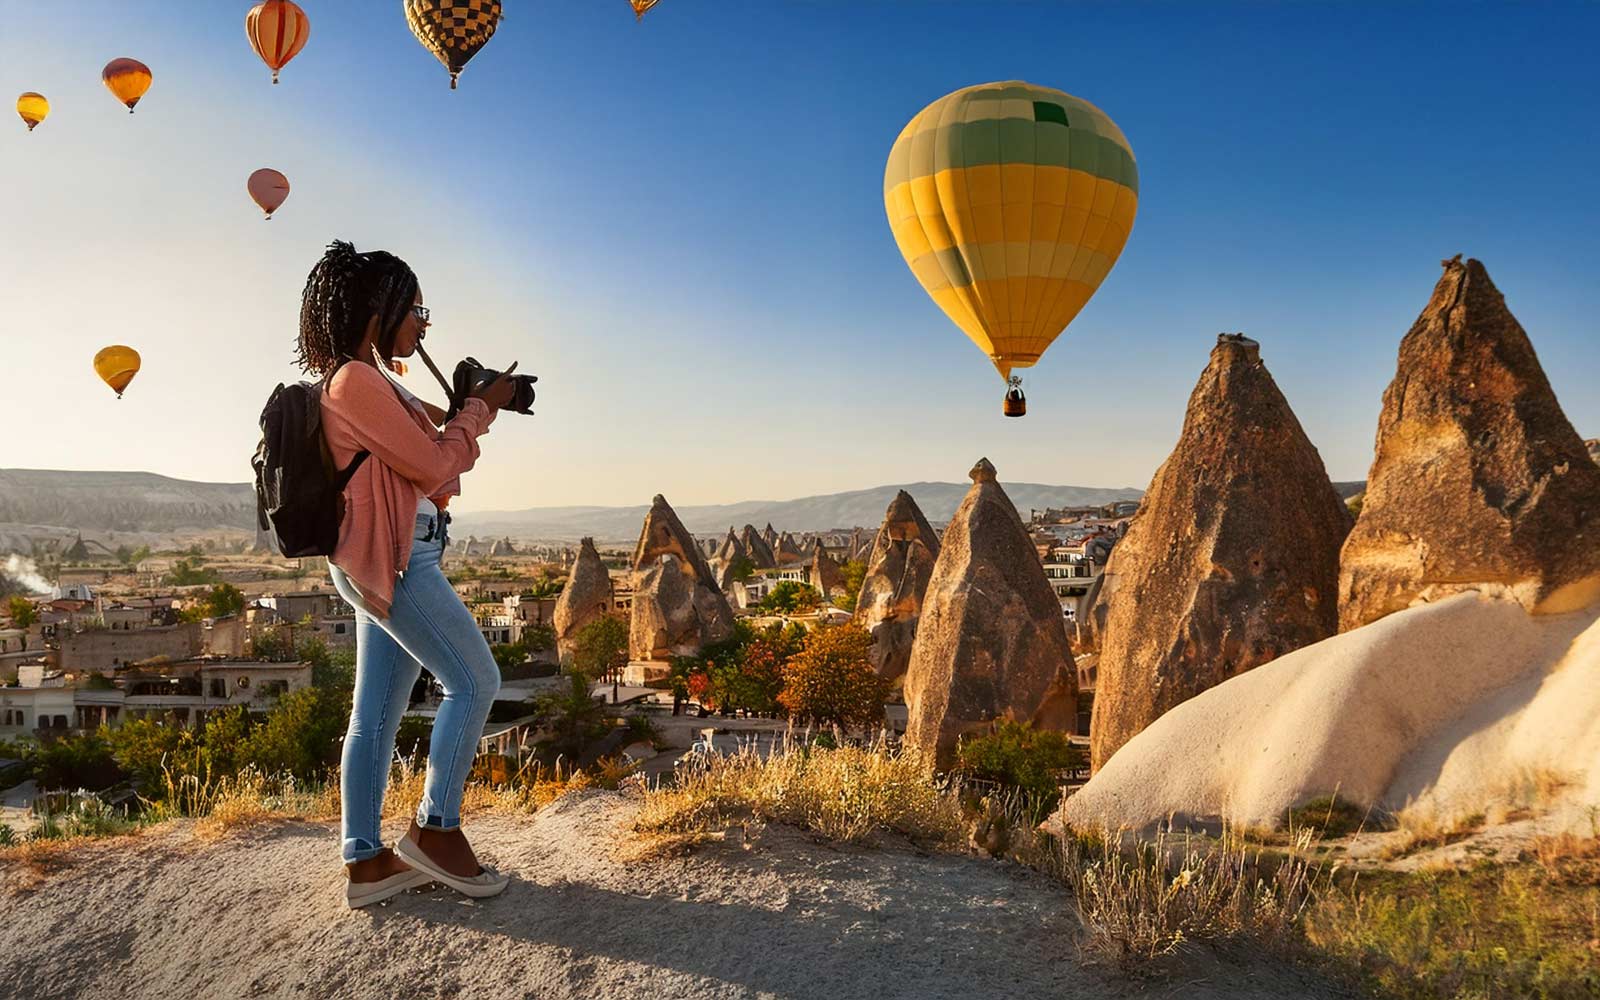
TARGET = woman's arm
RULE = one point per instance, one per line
(378, 421)
(434, 413)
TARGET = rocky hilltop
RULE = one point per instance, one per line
(1231, 561)
(122, 501)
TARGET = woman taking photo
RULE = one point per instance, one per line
(359, 312)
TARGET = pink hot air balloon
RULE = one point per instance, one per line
(269, 189)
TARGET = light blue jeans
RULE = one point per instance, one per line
(428, 625)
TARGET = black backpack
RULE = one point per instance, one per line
(299, 492)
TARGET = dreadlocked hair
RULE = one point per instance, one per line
(344, 291)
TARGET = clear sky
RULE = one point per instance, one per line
(678, 225)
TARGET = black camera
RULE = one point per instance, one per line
(471, 377)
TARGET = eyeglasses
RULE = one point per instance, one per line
(421, 313)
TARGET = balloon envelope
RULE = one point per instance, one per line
(33, 108)
(453, 30)
(269, 188)
(127, 79)
(277, 30)
(640, 6)
(117, 365)
(1010, 202)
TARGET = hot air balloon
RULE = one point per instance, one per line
(127, 79)
(117, 365)
(640, 6)
(277, 30)
(33, 108)
(269, 188)
(1010, 202)
(453, 30)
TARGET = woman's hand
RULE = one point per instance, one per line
(499, 392)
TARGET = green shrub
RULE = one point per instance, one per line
(1016, 755)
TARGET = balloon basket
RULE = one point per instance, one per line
(1016, 404)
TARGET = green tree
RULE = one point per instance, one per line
(742, 569)
(227, 732)
(76, 760)
(222, 600)
(855, 571)
(301, 735)
(601, 647)
(335, 668)
(1017, 755)
(574, 717)
(509, 654)
(141, 747)
(539, 638)
(831, 680)
(790, 597)
(189, 572)
(22, 611)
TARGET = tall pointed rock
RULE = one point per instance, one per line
(757, 549)
(899, 564)
(991, 643)
(585, 597)
(1232, 560)
(787, 551)
(826, 576)
(677, 605)
(770, 536)
(1479, 482)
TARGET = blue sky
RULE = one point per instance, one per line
(679, 226)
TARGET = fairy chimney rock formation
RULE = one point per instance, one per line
(585, 597)
(899, 564)
(757, 549)
(786, 551)
(1593, 444)
(770, 536)
(826, 576)
(991, 643)
(1479, 481)
(677, 605)
(1232, 560)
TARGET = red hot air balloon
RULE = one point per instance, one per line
(277, 30)
(269, 189)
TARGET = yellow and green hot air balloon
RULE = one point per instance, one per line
(1010, 202)
(453, 30)
(116, 365)
(33, 108)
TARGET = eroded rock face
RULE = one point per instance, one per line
(899, 564)
(1232, 559)
(757, 549)
(585, 597)
(826, 576)
(678, 606)
(787, 552)
(725, 562)
(1479, 482)
(1593, 444)
(990, 643)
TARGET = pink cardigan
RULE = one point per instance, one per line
(410, 459)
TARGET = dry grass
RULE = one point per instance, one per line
(849, 794)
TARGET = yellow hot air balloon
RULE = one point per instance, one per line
(640, 6)
(33, 108)
(453, 30)
(127, 79)
(1010, 202)
(117, 365)
(269, 189)
(277, 30)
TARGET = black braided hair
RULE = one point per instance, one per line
(343, 292)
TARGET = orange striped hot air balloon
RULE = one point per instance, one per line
(127, 79)
(640, 6)
(33, 108)
(269, 189)
(277, 30)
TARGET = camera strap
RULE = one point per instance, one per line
(449, 393)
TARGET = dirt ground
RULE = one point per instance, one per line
(260, 913)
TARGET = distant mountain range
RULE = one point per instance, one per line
(862, 508)
(37, 502)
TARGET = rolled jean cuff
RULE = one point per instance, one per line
(437, 822)
(359, 849)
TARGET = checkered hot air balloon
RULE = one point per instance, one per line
(1010, 203)
(453, 30)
